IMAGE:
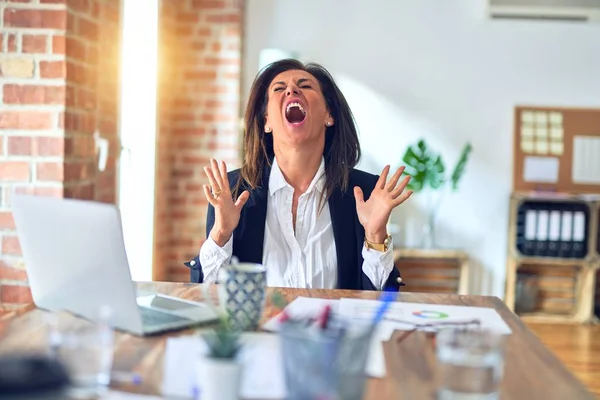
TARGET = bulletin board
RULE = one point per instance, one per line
(557, 150)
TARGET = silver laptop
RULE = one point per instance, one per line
(76, 261)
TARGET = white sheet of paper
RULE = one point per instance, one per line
(302, 307)
(180, 365)
(264, 376)
(376, 361)
(540, 169)
(586, 160)
(261, 354)
(118, 395)
(421, 313)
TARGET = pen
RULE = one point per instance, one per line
(387, 298)
(125, 377)
(324, 317)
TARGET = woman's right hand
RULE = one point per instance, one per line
(218, 194)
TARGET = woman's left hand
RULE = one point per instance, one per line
(374, 213)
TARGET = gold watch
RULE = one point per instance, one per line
(383, 247)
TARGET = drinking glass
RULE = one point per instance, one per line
(470, 364)
(85, 348)
(325, 365)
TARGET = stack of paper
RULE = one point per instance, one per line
(260, 353)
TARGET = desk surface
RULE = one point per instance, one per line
(531, 371)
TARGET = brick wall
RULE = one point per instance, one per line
(199, 98)
(92, 38)
(60, 77)
(52, 99)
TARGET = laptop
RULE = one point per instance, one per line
(76, 261)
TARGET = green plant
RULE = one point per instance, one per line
(426, 168)
(224, 341)
(278, 300)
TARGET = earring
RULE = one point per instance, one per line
(329, 123)
(267, 129)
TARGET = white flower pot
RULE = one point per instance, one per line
(219, 379)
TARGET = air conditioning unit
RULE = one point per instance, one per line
(557, 10)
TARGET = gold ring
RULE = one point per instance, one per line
(217, 193)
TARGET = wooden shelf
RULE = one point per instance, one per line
(433, 270)
(554, 289)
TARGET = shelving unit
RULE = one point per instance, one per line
(597, 296)
(552, 274)
(551, 280)
(433, 270)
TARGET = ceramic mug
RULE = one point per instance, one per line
(242, 289)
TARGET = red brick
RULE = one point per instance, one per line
(208, 4)
(6, 222)
(86, 99)
(58, 44)
(49, 146)
(201, 75)
(11, 43)
(25, 120)
(34, 43)
(74, 171)
(87, 29)
(80, 6)
(14, 171)
(49, 171)
(15, 294)
(224, 18)
(53, 69)
(11, 273)
(75, 49)
(48, 191)
(19, 146)
(30, 18)
(11, 245)
(34, 94)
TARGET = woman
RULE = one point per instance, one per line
(297, 205)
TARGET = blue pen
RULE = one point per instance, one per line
(125, 377)
(386, 298)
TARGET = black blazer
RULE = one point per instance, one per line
(348, 232)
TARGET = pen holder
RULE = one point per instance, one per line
(325, 364)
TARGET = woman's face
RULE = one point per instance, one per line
(296, 110)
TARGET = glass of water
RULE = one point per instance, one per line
(86, 350)
(470, 364)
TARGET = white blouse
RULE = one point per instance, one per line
(308, 258)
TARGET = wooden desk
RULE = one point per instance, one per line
(531, 372)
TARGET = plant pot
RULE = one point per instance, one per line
(219, 379)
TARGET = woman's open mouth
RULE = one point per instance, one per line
(295, 113)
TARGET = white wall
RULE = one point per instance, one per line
(438, 69)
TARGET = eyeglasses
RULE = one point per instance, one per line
(435, 327)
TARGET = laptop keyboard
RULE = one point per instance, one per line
(152, 317)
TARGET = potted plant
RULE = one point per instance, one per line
(220, 372)
(428, 175)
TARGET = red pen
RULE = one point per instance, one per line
(284, 316)
(324, 317)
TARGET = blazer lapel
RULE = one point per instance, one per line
(254, 220)
(342, 210)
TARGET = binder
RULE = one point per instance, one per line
(552, 229)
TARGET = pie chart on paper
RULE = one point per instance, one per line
(430, 314)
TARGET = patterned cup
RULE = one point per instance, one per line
(242, 294)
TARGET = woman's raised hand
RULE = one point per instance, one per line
(374, 213)
(218, 194)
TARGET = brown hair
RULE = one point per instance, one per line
(342, 148)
